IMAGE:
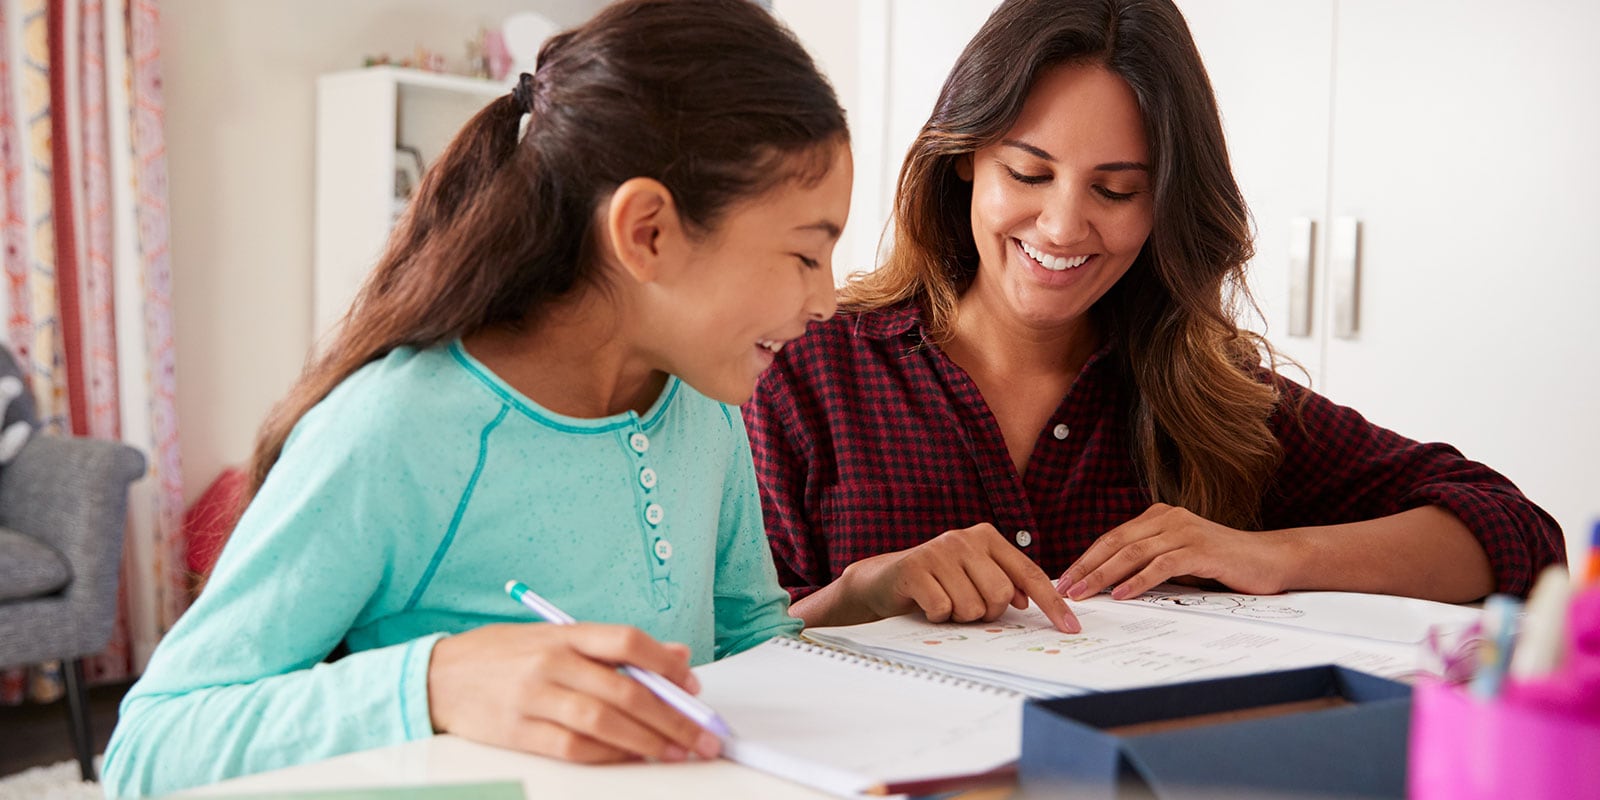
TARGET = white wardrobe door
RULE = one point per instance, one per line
(1271, 64)
(1464, 142)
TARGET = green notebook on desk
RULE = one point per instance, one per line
(497, 790)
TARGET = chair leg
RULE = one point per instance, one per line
(78, 718)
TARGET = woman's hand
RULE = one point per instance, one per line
(1166, 542)
(962, 575)
(555, 690)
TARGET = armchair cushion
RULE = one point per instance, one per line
(29, 568)
(70, 495)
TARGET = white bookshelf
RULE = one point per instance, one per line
(363, 116)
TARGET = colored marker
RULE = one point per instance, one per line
(1494, 653)
(1539, 647)
(1591, 564)
(669, 692)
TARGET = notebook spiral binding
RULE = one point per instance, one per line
(888, 664)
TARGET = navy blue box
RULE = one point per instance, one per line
(1352, 746)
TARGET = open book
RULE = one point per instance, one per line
(876, 707)
(1165, 636)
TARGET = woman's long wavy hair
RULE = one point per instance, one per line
(1199, 422)
(713, 98)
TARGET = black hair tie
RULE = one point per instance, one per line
(523, 94)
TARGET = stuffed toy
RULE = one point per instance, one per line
(16, 417)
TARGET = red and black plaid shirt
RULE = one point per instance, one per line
(869, 439)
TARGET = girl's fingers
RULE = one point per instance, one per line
(668, 727)
(624, 644)
(546, 738)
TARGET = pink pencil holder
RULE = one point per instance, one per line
(1465, 748)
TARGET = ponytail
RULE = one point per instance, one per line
(399, 304)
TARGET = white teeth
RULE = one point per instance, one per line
(771, 345)
(1049, 262)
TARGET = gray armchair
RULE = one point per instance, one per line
(63, 506)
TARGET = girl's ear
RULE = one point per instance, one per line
(964, 167)
(642, 226)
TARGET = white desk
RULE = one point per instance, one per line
(451, 759)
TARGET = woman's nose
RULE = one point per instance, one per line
(822, 299)
(1064, 218)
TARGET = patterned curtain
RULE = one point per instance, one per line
(87, 300)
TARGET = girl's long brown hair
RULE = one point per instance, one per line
(1200, 418)
(710, 97)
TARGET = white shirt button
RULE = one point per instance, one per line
(663, 549)
(647, 478)
(1024, 538)
(639, 442)
(653, 513)
(1061, 431)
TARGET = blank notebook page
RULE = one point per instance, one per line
(846, 723)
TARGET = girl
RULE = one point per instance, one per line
(1044, 378)
(532, 385)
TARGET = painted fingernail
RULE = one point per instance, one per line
(1062, 584)
(1121, 592)
(708, 745)
(1078, 590)
(674, 754)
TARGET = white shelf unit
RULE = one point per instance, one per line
(363, 116)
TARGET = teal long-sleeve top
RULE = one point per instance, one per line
(401, 505)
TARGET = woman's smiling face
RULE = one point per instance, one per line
(1061, 205)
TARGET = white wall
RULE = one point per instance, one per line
(240, 93)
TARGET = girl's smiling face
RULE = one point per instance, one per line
(753, 283)
(1061, 205)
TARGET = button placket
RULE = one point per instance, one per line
(651, 513)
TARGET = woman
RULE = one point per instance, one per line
(1045, 376)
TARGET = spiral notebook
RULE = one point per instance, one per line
(852, 724)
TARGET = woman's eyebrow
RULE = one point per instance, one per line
(1110, 166)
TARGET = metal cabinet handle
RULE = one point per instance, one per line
(1302, 244)
(1344, 260)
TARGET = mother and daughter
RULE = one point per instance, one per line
(540, 380)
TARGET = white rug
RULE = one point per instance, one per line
(55, 782)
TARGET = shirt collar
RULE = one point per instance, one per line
(889, 322)
(886, 323)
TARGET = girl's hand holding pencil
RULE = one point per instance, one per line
(555, 690)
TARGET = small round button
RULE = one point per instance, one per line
(663, 549)
(1024, 538)
(1061, 431)
(653, 513)
(647, 478)
(639, 442)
